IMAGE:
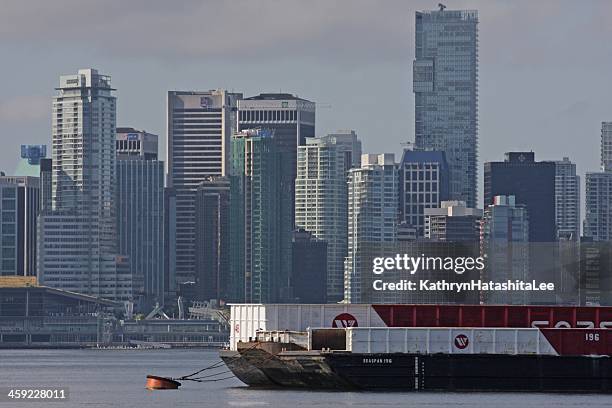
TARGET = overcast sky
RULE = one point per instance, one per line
(545, 66)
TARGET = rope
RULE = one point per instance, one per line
(218, 364)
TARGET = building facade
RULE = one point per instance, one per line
(372, 217)
(309, 268)
(321, 199)
(77, 238)
(567, 200)
(213, 239)
(260, 266)
(140, 211)
(19, 208)
(292, 121)
(606, 146)
(46, 183)
(199, 130)
(532, 184)
(453, 222)
(504, 245)
(445, 85)
(598, 206)
(424, 183)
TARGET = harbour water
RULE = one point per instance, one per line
(116, 378)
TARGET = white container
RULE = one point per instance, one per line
(247, 319)
(447, 340)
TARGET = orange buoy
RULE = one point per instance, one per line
(160, 383)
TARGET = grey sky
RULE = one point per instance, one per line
(545, 66)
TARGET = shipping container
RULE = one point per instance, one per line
(247, 319)
(446, 340)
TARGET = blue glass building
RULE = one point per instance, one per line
(445, 85)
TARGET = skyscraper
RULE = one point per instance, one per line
(292, 121)
(606, 146)
(46, 183)
(77, 238)
(532, 184)
(598, 210)
(598, 192)
(424, 183)
(19, 207)
(372, 217)
(140, 210)
(505, 237)
(260, 265)
(321, 199)
(308, 272)
(445, 85)
(349, 143)
(567, 200)
(199, 129)
(213, 239)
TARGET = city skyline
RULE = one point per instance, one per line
(509, 70)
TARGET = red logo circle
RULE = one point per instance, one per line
(344, 320)
(461, 341)
(237, 328)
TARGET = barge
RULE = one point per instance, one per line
(468, 348)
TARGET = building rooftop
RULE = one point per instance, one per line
(275, 97)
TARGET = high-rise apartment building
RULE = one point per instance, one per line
(349, 143)
(199, 130)
(140, 210)
(260, 264)
(567, 200)
(19, 208)
(598, 207)
(321, 199)
(504, 243)
(606, 146)
(445, 85)
(424, 183)
(598, 192)
(77, 238)
(372, 217)
(213, 239)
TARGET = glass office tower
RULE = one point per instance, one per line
(445, 85)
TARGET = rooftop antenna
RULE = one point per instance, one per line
(442, 6)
